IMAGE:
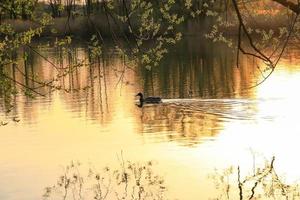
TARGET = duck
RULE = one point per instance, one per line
(148, 99)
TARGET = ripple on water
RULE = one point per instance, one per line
(226, 109)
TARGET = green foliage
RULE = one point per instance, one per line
(152, 25)
(95, 47)
(7, 91)
(13, 41)
(22, 9)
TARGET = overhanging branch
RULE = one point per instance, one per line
(290, 5)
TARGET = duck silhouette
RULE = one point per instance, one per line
(148, 100)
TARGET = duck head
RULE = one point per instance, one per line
(140, 95)
(141, 99)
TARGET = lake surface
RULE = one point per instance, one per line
(209, 119)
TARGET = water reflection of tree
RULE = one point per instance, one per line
(129, 181)
(76, 77)
(91, 88)
(90, 92)
(23, 72)
(180, 123)
(264, 183)
(199, 69)
(89, 85)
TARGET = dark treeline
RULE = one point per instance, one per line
(81, 18)
(11, 9)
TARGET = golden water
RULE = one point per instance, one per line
(207, 121)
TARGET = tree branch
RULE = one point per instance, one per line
(290, 5)
(242, 25)
(24, 86)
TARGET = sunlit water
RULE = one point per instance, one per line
(208, 120)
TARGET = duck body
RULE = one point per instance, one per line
(152, 100)
(148, 99)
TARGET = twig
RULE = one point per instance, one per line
(21, 84)
(240, 185)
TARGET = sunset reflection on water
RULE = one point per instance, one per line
(207, 120)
